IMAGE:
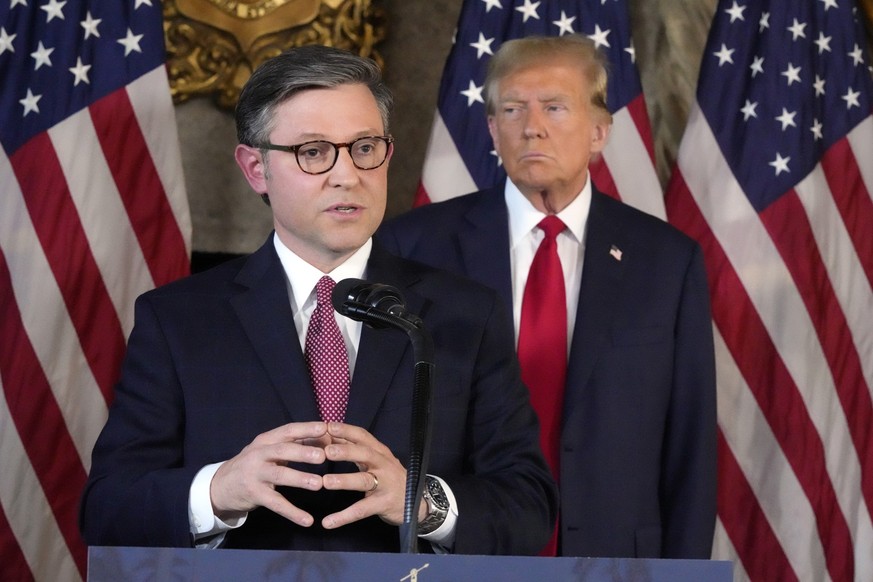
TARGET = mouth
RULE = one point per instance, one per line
(344, 208)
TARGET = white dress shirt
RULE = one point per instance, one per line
(525, 239)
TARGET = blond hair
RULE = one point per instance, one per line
(521, 53)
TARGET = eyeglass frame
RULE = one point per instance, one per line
(293, 149)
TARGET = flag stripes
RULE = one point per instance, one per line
(94, 213)
(818, 416)
(34, 412)
(65, 244)
(129, 161)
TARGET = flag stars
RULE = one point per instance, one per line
(736, 12)
(757, 66)
(489, 4)
(473, 94)
(797, 30)
(529, 10)
(80, 72)
(823, 42)
(130, 42)
(819, 86)
(748, 110)
(90, 25)
(142, 3)
(632, 52)
(482, 46)
(781, 164)
(565, 24)
(792, 74)
(17, 2)
(828, 4)
(816, 130)
(41, 56)
(764, 22)
(54, 9)
(496, 155)
(857, 55)
(851, 98)
(599, 37)
(30, 103)
(725, 55)
(6, 41)
(787, 119)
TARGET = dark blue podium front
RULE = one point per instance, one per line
(111, 564)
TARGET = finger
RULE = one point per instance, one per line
(278, 504)
(355, 512)
(291, 432)
(350, 434)
(293, 452)
(280, 476)
(364, 481)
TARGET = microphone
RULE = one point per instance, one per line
(382, 306)
(376, 304)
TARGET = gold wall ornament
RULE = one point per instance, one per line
(214, 45)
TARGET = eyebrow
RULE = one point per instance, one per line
(323, 137)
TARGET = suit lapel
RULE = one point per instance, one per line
(606, 258)
(484, 243)
(381, 351)
(264, 310)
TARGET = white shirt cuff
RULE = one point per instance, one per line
(201, 519)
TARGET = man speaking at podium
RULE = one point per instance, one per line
(250, 415)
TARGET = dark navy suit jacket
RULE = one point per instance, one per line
(214, 360)
(638, 441)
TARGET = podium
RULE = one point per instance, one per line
(107, 564)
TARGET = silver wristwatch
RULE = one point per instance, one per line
(437, 505)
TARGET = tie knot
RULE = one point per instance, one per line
(323, 289)
(552, 226)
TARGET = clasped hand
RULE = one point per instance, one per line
(249, 479)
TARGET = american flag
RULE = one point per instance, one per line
(460, 157)
(774, 179)
(93, 212)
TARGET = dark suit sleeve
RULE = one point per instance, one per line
(507, 500)
(689, 469)
(137, 491)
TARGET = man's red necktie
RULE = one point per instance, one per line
(326, 357)
(542, 345)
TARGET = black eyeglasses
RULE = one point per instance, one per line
(317, 157)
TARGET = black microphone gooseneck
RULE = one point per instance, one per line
(383, 306)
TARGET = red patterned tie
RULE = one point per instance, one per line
(326, 356)
(542, 345)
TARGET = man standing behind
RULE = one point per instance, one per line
(610, 305)
(250, 415)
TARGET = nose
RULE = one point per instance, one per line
(534, 126)
(344, 172)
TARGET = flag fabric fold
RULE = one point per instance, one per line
(460, 157)
(93, 212)
(774, 178)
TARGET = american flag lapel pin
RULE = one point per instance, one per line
(615, 252)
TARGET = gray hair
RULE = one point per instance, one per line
(298, 69)
(522, 53)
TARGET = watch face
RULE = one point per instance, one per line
(437, 494)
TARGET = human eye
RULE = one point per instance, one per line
(510, 110)
(366, 146)
(313, 151)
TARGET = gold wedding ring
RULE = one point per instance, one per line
(375, 482)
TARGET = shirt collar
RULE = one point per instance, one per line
(302, 276)
(523, 216)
